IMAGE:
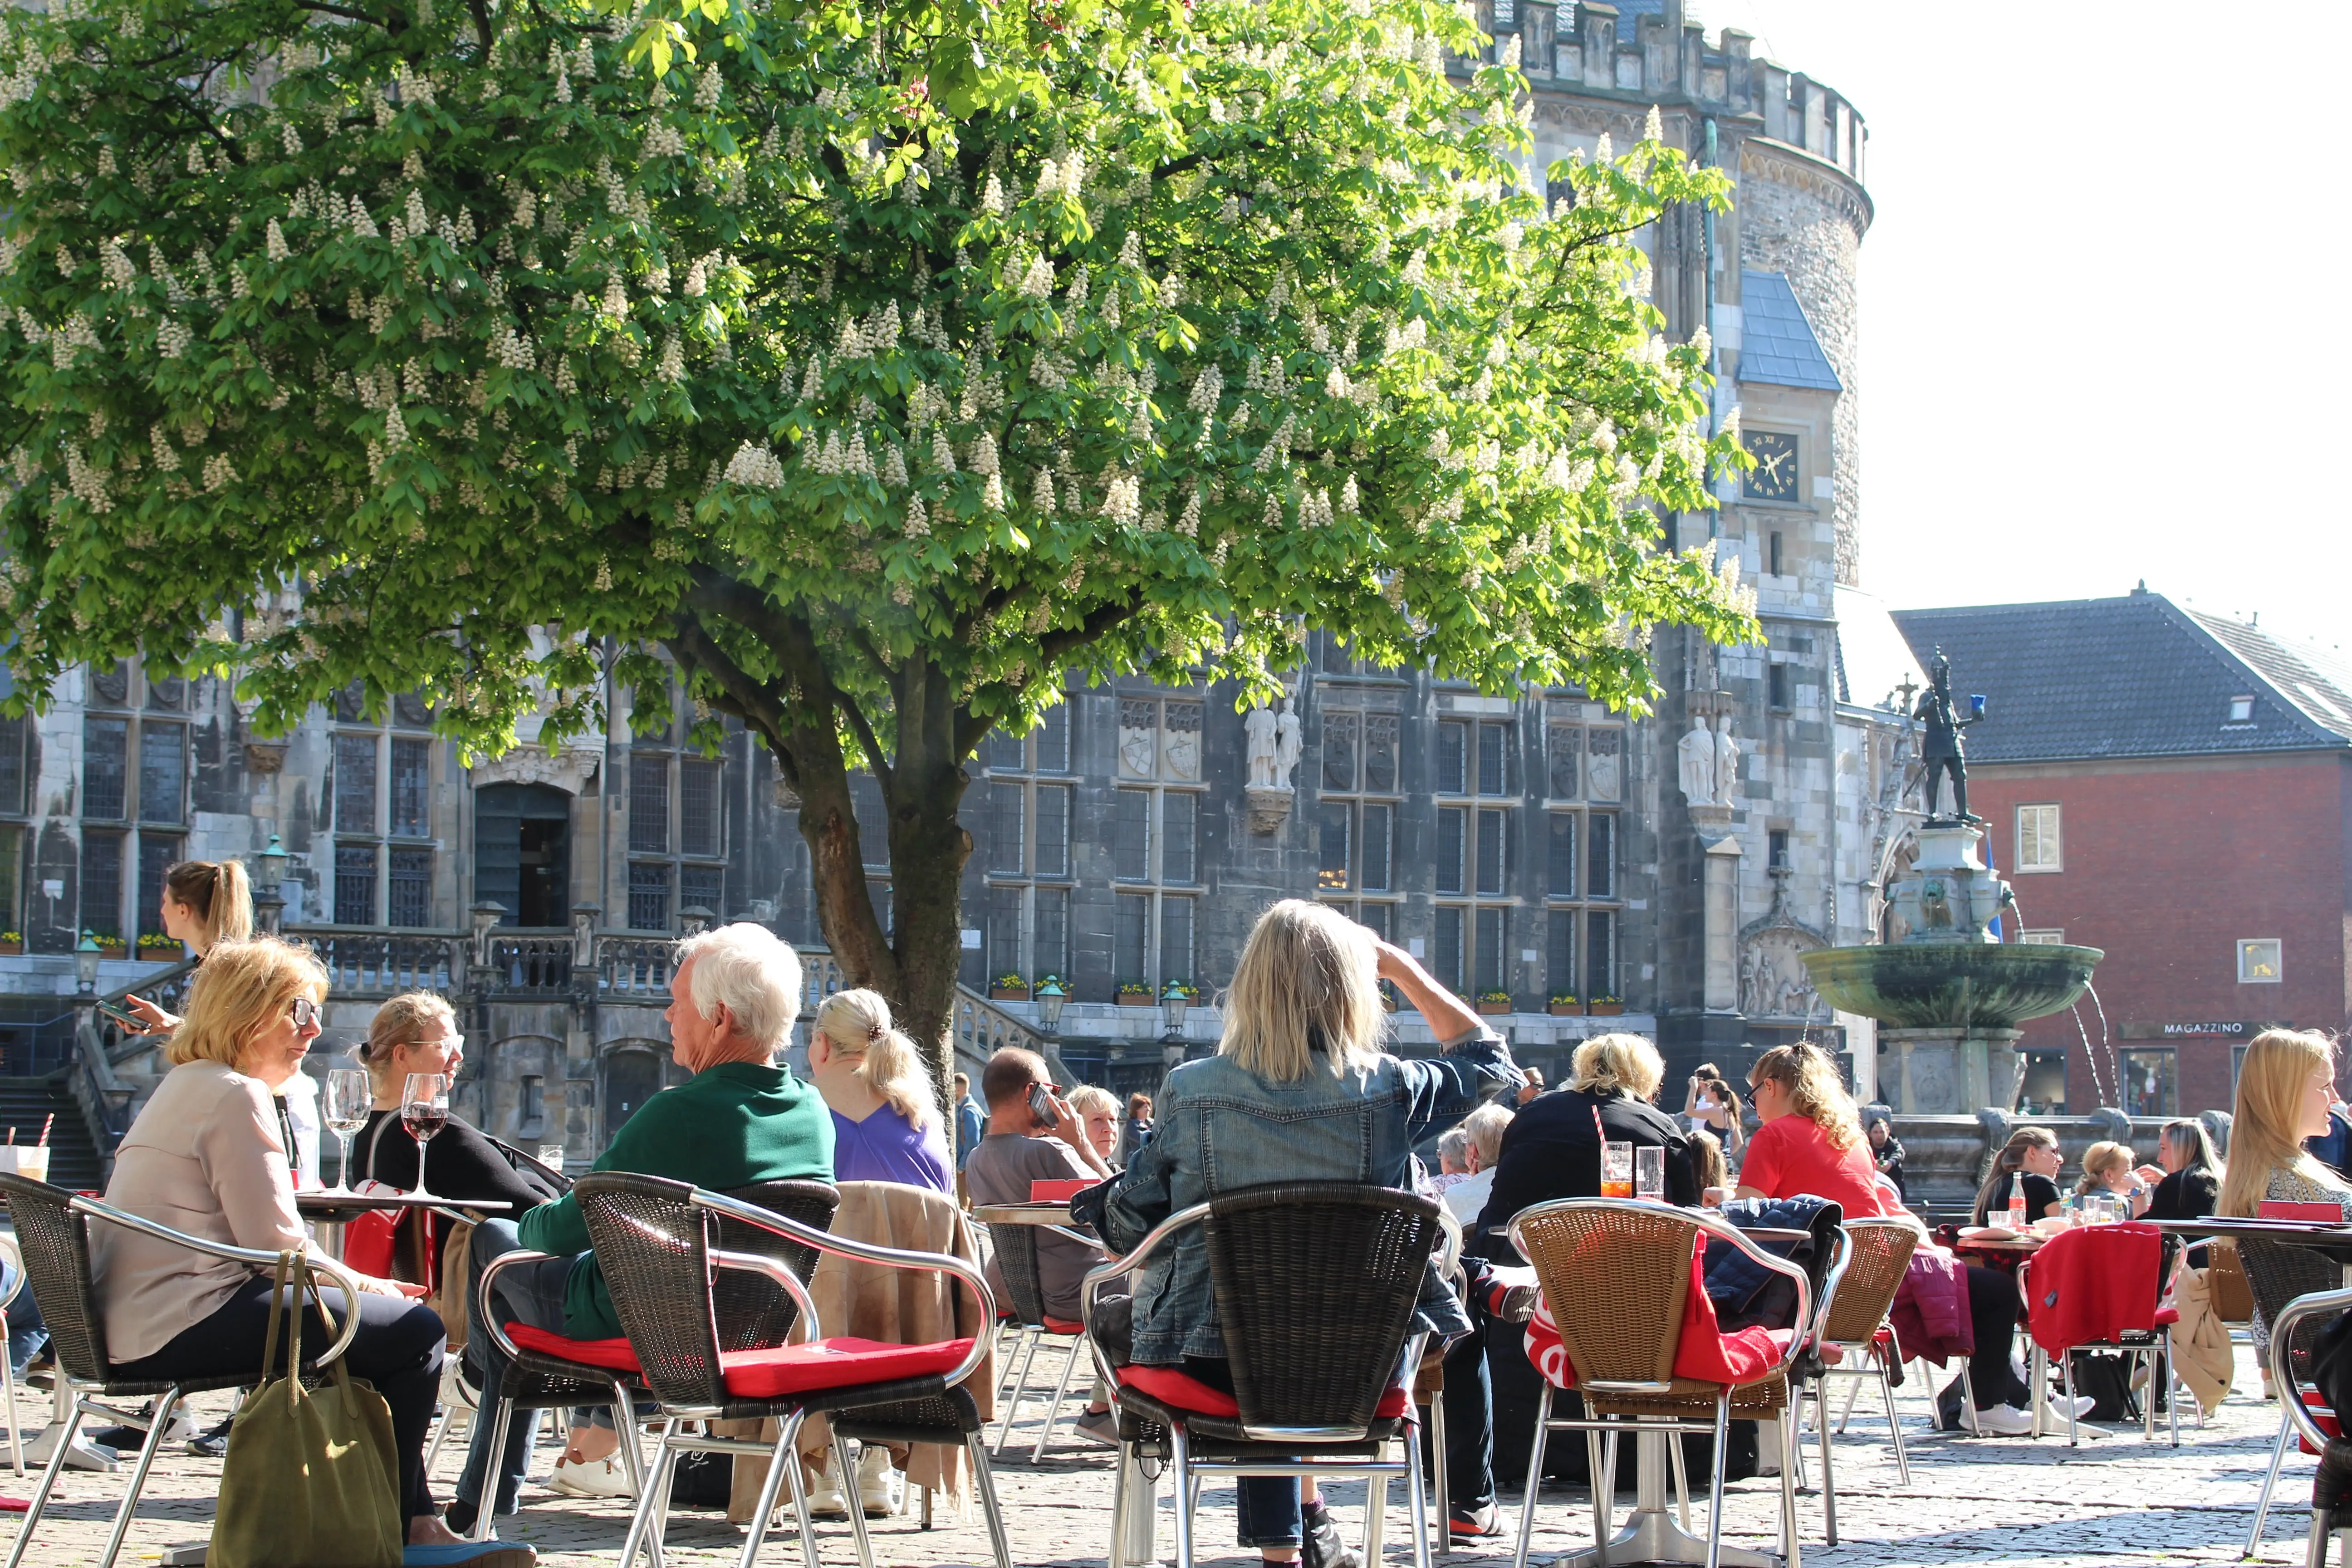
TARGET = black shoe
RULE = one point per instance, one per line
(213, 1445)
(1321, 1546)
(1475, 1524)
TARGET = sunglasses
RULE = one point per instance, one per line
(304, 1012)
(454, 1043)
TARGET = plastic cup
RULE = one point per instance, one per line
(1616, 1170)
(1650, 1175)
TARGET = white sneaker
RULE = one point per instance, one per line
(2084, 1405)
(880, 1488)
(824, 1498)
(607, 1477)
(2005, 1420)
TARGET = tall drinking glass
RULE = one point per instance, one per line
(344, 1106)
(425, 1111)
(1616, 1170)
(1650, 1175)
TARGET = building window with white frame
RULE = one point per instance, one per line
(1582, 782)
(677, 827)
(1358, 799)
(381, 791)
(1155, 843)
(2261, 961)
(1472, 927)
(2038, 839)
(135, 787)
(1025, 805)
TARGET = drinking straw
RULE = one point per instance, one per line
(12, 1137)
(1597, 1130)
(45, 1129)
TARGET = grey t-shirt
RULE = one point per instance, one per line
(1000, 1171)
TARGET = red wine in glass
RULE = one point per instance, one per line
(425, 1111)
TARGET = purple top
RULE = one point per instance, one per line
(886, 1147)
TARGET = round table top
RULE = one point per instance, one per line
(1023, 1214)
(319, 1201)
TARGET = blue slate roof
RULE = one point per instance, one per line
(1776, 343)
(2133, 676)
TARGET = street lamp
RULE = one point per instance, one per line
(1172, 1002)
(269, 898)
(1051, 999)
(86, 963)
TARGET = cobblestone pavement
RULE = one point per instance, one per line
(2113, 1500)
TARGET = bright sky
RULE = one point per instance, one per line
(2100, 332)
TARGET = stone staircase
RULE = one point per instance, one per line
(25, 1103)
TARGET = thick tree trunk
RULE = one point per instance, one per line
(915, 963)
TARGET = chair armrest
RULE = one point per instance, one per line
(483, 1316)
(866, 1252)
(1119, 1268)
(1831, 1279)
(344, 1278)
(776, 1269)
(2282, 1365)
(1067, 1234)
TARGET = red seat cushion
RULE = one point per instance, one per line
(2321, 1415)
(2167, 1316)
(1054, 1325)
(1182, 1391)
(612, 1355)
(785, 1370)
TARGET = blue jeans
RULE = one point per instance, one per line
(27, 1335)
(527, 1293)
(1265, 1508)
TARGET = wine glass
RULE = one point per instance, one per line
(345, 1106)
(425, 1111)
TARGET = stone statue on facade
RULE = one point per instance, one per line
(1942, 751)
(1258, 734)
(1696, 760)
(1287, 745)
(1726, 764)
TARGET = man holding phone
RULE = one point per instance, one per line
(1034, 1135)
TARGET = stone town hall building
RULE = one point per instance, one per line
(1665, 872)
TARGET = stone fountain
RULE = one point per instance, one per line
(1948, 995)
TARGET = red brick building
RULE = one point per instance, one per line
(2176, 788)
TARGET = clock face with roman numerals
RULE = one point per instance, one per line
(1774, 476)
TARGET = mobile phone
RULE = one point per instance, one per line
(122, 1016)
(1041, 1103)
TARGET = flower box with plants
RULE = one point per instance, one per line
(1565, 1006)
(154, 947)
(1008, 988)
(110, 945)
(1492, 1001)
(1135, 993)
(11, 942)
(1605, 1006)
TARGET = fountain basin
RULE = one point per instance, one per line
(1946, 986)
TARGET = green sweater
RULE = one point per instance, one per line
(728, 1126)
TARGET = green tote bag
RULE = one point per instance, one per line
(311, 1479)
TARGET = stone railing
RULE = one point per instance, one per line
(1945, 1158)
(361, 963)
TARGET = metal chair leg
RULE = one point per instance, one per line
(641, 1517)
(1788, 1557)
(15, 1436)
(1535, 1477)
(1418, 1499)
(1376, 1515)
(157, 1419)
(1894, 1423)
(856, 1503)
(2073, 1425)
(1443, 1541)
(49, 1473)
(1123, 1459)
(985, 1481)
(1028, 1354)
(2262, 1502)
(1715, 1482)
(494, 1477)
(1829, 1477)
(1054, 1407)
(2172, 1389)
(1181, 1453)
(1602, 1472)
(1682, 1478)
(783, 1469)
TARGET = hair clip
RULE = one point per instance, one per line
(873, 1032)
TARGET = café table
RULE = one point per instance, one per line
(2334, 1241)
(331, 1210)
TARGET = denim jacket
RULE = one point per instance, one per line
(1220, 1128)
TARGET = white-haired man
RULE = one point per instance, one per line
(741, 1118)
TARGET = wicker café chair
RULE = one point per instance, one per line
(53, 1233)
(657, 1241)
(1016, 1258)
(2294, 1331)
(748, 1313)
(1854, 1319)
(1315, 1284)
(2280, 1275)
(1616, 1274)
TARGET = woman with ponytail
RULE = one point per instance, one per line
(885, 1121)
(203, 902)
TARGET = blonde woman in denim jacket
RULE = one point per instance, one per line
(1299, 1091)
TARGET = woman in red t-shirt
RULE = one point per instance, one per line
(1811, 1142)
